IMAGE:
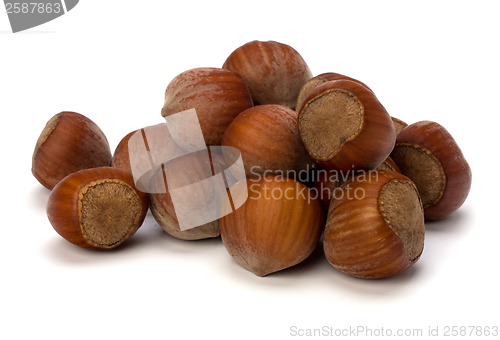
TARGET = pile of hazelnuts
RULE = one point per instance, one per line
(373, 181)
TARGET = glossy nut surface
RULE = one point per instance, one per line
(344, 127)
(218, 95)
(69, 142)
(268, 139)
(97, 208)
(376, 229)
(121, 158)
(274, 72)
(427, 153)
(305, 91)
(277, 227)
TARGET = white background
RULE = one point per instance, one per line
(111, 60)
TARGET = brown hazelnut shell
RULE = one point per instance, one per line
(372, 141)
(268, 139)
(435, 141)
(324, 184)
(373, 235)
(218, 95)
(389, 165)
(270, 232)
(67, 214)
(398, 124)
(273, 71)
(69, 142)
(318, 80)
(121, 158)
(188, 169)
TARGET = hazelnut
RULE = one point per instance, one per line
(398, 124)
(276, 228)
(344, 127)
(324, 183)
(142, 151)
(121, 158)
(218, 96)
(68, 143)
(274, 72)
(318, 80)
(431, 158)
(376, 228)
(268, 139)
(182, 171)
(97, 208)
(389, 165)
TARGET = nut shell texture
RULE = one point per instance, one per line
(431, 158)
(318, 80)
(389, 165)
(121, 158)
(218, 96)
(268, 139)
(185, 170)
(377, 230)
(344, 127)
(274, 72)
(97, 208)
(277, 227)
(69, 142)
(398, 124)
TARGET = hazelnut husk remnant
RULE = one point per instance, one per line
(376, 229)
(344, 127)
(427, 153)
(305, 91)
(97, 208)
